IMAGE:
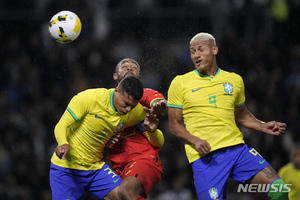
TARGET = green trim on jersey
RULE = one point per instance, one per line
(174, 106)
(72, 114)
(204, 75)
(239, 105)
(112, 100)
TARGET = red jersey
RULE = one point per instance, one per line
(134, 144)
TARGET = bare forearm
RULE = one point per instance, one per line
(180, 132)
(202, 146)
(248, 120)
(175, 116)
(252, 123)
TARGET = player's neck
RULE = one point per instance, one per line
(210, 71)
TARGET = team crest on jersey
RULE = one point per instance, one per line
(213, 193)
(120, 126)
(228, 87)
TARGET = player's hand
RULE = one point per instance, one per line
(159, 106)
(62, 150)
(151, 122)
(274, 128)
(202, 146)
(116, 138)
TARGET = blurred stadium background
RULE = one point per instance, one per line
(258, 39)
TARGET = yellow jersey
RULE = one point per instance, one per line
(291, 175)
(92, 120)
(208, 104)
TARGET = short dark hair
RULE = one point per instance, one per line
(132, 86)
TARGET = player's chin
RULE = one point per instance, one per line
(128, 74)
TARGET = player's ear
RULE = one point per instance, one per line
(215, 49)
(115, 76)
(116, 93)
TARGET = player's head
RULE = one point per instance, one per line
(127, 67)
(128, 94)
(204, 37)
(203, 51)
(295, 156)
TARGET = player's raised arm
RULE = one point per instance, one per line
(245, 118)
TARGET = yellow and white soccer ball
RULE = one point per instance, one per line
(65, 27)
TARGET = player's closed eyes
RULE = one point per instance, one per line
(126, 67)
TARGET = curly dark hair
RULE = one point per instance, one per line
(132, 86)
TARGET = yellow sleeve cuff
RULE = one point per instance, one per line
(156, 139)
(60, 133)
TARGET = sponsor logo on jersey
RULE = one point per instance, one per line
(196, 90)
(116, 180)
(98, 117)
(261, 162)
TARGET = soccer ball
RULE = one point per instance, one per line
(65, 27)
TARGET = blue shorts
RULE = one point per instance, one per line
(212, 171)
(70, 183)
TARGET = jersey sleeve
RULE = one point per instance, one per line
(81, 104)
(156, 139)
(149, 96)
(77, 108)
(240, 99)
(137, 115)
(175, 97)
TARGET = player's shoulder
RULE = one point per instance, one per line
(137, 110)
(149, 90)
(229, 74)
(95, 90)
(186, 76)
(149, 96)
